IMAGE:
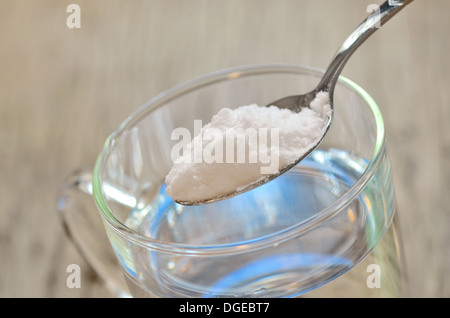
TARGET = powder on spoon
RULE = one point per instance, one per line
(242, 146)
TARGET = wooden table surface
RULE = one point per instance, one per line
(62, 91)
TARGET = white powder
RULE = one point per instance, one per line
(212, 163)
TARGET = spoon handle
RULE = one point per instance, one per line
(374, 21)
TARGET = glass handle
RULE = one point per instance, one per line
(83, 225)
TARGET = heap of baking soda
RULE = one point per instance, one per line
(283, 136)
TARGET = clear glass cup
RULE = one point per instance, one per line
(325, 229)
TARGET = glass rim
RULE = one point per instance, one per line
(259, 242)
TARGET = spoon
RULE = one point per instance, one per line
(327, 84)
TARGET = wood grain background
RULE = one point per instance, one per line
(62, 91)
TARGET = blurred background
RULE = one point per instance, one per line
(63, 91)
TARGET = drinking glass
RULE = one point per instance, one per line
(326, 228)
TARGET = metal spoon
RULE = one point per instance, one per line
(373, 22)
